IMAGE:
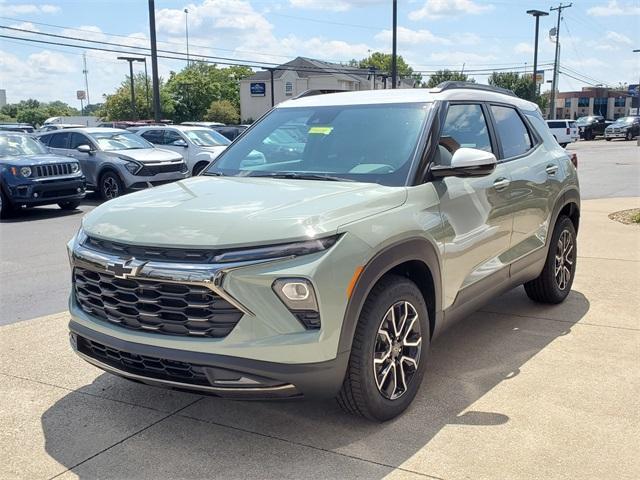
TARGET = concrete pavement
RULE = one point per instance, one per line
(516, 391)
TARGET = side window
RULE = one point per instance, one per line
(170, 136)
(555, 124)
(59, 140)
(465, 126)
(45, 139)
(153, 136)
(78, 139)
(514, 136)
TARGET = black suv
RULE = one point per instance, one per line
(592, 126)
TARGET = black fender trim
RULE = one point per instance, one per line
(411, 249)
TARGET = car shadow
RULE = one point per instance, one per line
(45, 212)
(476, 355)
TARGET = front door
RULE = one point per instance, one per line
(475, 210)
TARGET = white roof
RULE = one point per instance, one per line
(406, 95)
(182, 128)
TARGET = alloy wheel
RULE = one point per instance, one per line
(110, 188)
(397, 350)
(565, 256)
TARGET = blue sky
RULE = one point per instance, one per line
(597, 37)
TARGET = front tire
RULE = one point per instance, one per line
(6, 208)
(564, 145)
(388, 355)
(69, 204)
(110, 185)
(554, 283)
(199, 167)
(629, 135)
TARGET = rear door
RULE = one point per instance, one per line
(534, 168)
(475, 210)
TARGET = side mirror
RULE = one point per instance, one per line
(180, 143)
(84, 149)
(467, 162)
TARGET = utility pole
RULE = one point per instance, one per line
(157, 114)
(134, 113)
(556, 63)
(394, 49)
(186, 29)
(146, 85)
(537, 14)
(86, 79)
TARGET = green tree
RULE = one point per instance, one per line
(382, 63)
(117, 106)
(521, 85)
(32, 115)
(6, 118)
(445, 76)
(194, 88)
(223, 111)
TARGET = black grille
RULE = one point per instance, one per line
(152, 367)
(54, 170)
(152, 253)
(150, 170)
(168, 308)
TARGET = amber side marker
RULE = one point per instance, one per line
(354, 280)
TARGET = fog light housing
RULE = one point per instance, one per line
(299, 297)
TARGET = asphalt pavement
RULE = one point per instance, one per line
(34, 270)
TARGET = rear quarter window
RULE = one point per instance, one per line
(556, 124)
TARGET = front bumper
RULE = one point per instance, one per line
(268, 345)
(615, 135)
(31, 192)
(138, 182)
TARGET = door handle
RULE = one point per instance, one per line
(501, 183)
(551, 169)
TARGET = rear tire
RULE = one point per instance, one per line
(110, 185)
(628, 136)
(69, 204)
(554, 283)
(608, 139)
(388, 355)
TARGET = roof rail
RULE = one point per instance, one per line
(312, 92)
(449, 85)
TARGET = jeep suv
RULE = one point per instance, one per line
(329, 272)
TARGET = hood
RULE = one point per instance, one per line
(40, 159)
(237, 211)
(146, 155)
(218, 149)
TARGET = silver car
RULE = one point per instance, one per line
(116, 161)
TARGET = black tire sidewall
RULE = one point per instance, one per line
(564, 223)
(69, 204)
(373, 312)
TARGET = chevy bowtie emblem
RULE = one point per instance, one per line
(125, 269)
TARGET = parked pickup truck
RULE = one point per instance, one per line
(592, 126)
(30, 175)
(625, 127)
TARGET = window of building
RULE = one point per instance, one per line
(513, 133)
(583, 101)
(619, 101)
(567, 103)
(288, 89)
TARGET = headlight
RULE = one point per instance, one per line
(75, 167)
(133, 167)
(25, 171)
(277, 251)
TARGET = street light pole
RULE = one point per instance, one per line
(394, 49)
(186, 29)
(157, 113)
(133, 93)
(537, 14)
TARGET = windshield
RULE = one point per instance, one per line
(585, 120)
(108, 141)
(625, 120)
(206, 138)
(365, 143)
(13, 145)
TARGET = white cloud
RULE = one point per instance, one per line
(339, 50)
(50, 63)
(613, 8)
(618, 38)
(26, 9)
(434, 9)
(412, 37)
(456, 57)
(523, 48)
(331, 5)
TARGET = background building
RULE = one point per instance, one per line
(292, 78)
(610, 103)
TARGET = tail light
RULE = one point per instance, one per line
(574, 159)
(568, 131)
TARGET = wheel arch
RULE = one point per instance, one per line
(415, 258)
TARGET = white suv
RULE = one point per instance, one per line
(198, 145)
(564, 131)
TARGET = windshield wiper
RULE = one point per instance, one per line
(304, 176)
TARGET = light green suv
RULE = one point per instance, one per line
(328, 246)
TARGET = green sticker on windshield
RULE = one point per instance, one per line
(321, 130)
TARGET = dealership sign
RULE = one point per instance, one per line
(634, 90)
(539, 77)
(258, 89)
